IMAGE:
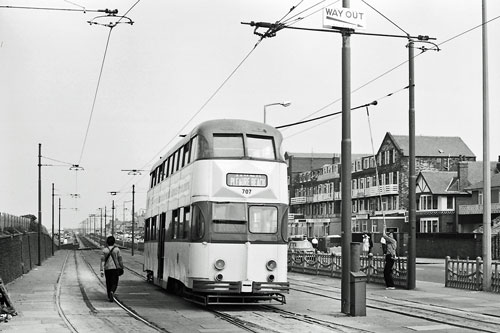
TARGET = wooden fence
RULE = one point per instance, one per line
(468, 274)
(331, 265)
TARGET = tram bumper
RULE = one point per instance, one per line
(236, 287)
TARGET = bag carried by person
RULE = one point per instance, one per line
(120, 269)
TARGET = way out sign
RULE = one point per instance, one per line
(343, 18)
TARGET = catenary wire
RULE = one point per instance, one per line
(388, 19)
(54, 9)
(95, 97)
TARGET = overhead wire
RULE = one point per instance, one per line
(210, 98)
(335, 114)
(95, 97)
(388, 19)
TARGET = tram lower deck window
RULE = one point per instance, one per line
(263, 219)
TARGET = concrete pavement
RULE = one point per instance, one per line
(33, 298)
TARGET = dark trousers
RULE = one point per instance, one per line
(389, 264)
(111, 280)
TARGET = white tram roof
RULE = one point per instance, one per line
(228, 126)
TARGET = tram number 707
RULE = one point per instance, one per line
(246, 191)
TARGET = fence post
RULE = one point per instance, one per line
(479, 279)
(446, 271)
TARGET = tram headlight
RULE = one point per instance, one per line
(271, 265)
(270, 278)
(218, 277)
(220, 264)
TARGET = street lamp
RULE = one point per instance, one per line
(284, 104)
(133, 172)
(113, 213)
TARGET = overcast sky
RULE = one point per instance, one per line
(161, 77)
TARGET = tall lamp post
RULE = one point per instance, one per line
(284, 104)
(136, 172)
(113, 213)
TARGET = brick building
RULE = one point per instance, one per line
(379, 185)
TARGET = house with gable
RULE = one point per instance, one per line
(437, 192)
(470, 209)
(387, 197)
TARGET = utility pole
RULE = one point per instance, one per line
(346, 169)
(113, 218)
(486, 161)
(100, 229)
(39, 204)
(105, 221)
(133, 218)
(412, 177)
(52, 219)
(59, 235)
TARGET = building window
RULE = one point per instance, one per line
(480, 197)
(366, 163)
(387, 157)
(427, 202)
(429, 225)
(364, 226)
(374, 226)
(450, 203)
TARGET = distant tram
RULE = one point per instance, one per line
(217, 211)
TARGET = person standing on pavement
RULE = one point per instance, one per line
(111, 261)
(366, 244)
(390, 257)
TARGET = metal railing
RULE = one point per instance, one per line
(468, 274)
(327, 264)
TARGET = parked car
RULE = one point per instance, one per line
(301, 246)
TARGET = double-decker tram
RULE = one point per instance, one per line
(217, 211)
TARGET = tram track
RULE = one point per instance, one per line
(60, 310)
(433, 313)
(122, 305)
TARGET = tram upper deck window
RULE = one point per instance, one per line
(229, 217)
(228, 145)
(263, 220)
(261, 147)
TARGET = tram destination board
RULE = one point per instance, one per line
(246, 180)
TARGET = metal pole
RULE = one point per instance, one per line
(486, 162)
(133, 217)
(113, 218)
(346, 170)
(39, 204)
(59, 235)
(52, 219)
(100, 230)
(105, 221)
(412, 177)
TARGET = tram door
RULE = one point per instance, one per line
(161, 245)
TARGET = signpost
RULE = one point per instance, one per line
(349, 18)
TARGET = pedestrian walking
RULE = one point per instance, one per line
(390, 257)
(111, 266)
(366, 244)
(384, 245)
